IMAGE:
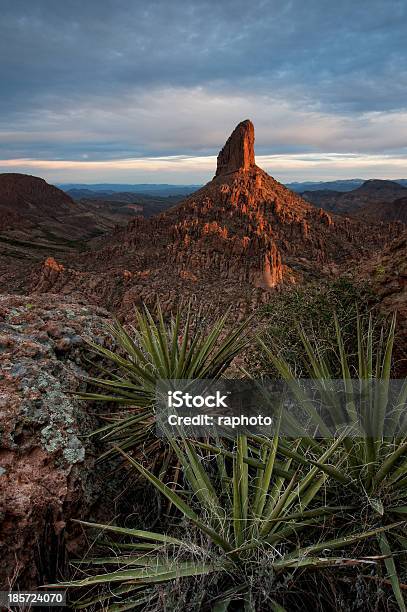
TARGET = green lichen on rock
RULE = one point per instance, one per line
(52, 439)
(48, 470)
(74, 455)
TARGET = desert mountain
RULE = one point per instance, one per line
(37, 219)
(338, 185)
(28, 200)
(371, 200)
(230, 243)
(380, 190)
(50, 214)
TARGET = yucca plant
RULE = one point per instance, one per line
(186, 347)
(265, 508)
(373, 460)
(260, 514)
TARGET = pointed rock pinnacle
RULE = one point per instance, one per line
(238, 152)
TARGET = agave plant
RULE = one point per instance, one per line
(152, 351)
(374, 461)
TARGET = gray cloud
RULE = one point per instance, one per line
(109, 79)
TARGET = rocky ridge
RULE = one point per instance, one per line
(372, 201)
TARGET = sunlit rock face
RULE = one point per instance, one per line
(238, 152)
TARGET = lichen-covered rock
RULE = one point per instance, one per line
(46, 467)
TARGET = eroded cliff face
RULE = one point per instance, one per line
(229, 244)
(47, 471)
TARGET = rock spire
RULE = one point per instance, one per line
(238, 152)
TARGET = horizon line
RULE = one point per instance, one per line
(187, 169)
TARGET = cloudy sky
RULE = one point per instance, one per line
(131, 91)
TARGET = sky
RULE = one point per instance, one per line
(126, 91)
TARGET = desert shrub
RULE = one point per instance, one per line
(311, 307)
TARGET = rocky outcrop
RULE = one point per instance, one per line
(238, 152)
(47, 473)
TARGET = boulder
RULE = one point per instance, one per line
(47, 473)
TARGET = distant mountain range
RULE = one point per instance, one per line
(374, 200)
(341, 185)
(156, 189)
(83, 190)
